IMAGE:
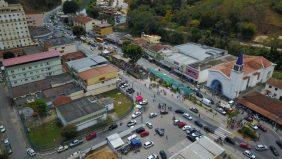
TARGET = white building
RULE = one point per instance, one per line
(193, 60)
(231, 78)
(273, 88)
(14, 30)
(30, 68)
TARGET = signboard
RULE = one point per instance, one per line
(192, 72)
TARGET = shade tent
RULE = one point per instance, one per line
(176, 84)
(139, 98)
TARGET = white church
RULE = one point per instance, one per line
(230, 79)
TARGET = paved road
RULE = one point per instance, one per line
(14, 130)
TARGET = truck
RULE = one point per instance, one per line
(207, 102)
(135, 143)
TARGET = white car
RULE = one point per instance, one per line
(136, 114)
(30, 152)
(153, 156)
(6, 141)
(149, 125)
(186, 127)
(131, 123)
(187, 116)
(62, 148)
(2, 128)
(249, 154)
(143, 102)
(255, 127)
(261, 147)
(148, 144)
(139, 107)
(152, 115)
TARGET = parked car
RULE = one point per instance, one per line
(179, 111)
(261, 147)
(30, 152)
(159, 131)
(149, 125)
(2, 129)
(113, 126)
(148, 144)
(139, 130)
(186, 127)
(274, 150)
(229, 140)
(62, 148)
(136, 114)
(143, 102)
(9, 149)
(198, 94)
(163, 154)
(262, 127)
(6, 141)
(195, 110)
(255, 127)
(131, 123)
(279, 143)
(144, 134)
(198, 123)
(176, 121)
(221, 111)
(181, 124)
(190, 130)
(187, 116)
(75, 143)
(197, 133)
(163, 112)
(152, 115)
(191, 137)
(208, 129)
(91, 136)
(153, 156)
(249, 154)
(245, 146)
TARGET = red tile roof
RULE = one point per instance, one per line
(61, 100)
(82, 19)
(73, 56)
(158, 47)
(266, 106)
(251, 65)
(30, 58)
(275, 82)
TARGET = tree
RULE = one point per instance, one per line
(78, 31)
(248, 30)
(277, 6)
(69, 131)
(4, 155)
(132, 51)
(70, 7)
(41, 107)
(8, 55)
(93, 12)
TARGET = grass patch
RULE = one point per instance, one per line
(277, 75)
(45, 136)
(122, 103)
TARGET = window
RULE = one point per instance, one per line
(23, 69)
(276, 89)
(12, 71)
(269, 86)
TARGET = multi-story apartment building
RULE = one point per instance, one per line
(29, 68)
(14, 30)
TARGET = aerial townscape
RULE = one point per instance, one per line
(141, 79)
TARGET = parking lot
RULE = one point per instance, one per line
(174, 138)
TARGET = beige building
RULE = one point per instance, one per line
(84, 21)
(34, 19)
(14, 30)
(63, 45)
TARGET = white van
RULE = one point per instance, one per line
(206, 101)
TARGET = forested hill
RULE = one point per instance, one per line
(35, 6)
(226, 16)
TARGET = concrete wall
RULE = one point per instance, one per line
(100, 90)
(64, 49)
(34, 19)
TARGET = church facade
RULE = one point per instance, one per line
(230, 79)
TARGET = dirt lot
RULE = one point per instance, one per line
(104, 153)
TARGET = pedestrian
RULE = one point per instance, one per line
(166, 136)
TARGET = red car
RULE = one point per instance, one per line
(262, 127)
(245, 146)
(91, 136)
(181, 124)
(144, 134)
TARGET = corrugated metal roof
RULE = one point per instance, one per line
(84, 64)
(30, 58)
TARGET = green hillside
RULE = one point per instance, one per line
(37, 6)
